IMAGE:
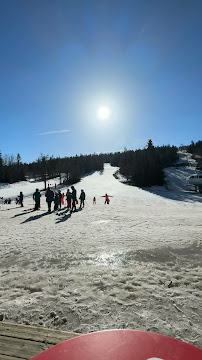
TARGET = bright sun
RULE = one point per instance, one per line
(103, 112)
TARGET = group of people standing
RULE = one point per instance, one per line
(58, 199)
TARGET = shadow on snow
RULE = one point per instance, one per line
(65, 216)
(36, 217)
(23, 213)
(185, 196)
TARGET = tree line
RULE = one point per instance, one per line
(140, 167)
(145, 167)
(11, 169)
(69, 169)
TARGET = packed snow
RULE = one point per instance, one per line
(135, 263)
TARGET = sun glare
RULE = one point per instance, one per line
(103, 112)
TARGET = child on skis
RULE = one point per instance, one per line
(107, 198)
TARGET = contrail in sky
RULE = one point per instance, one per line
(54, 132)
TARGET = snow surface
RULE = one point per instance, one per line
(135, 263)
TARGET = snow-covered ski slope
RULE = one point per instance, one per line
(176, 180)
(177, 176)
(135, 263)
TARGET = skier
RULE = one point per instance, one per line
(82, 198)
(63, 198)
(49, 197)
(69, 199)
(94, 200)
(73, 198)
(56, 200)
(59, 198)
(21, 199)
(36, 198)
(107, 198)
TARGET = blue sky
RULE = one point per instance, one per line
(61, 60)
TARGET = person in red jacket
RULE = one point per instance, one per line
(63, 198)
(107, 198)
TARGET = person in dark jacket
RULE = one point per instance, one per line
(49, 197)
(69, 199)
(21, 199)
(82, 198)
(73, 198)
(36, 197)
(56, 201)
(59, 198)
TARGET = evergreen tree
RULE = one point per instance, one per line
(150, 144)
(42, 168)
(18, 159)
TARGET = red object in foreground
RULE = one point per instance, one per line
(121, 345)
